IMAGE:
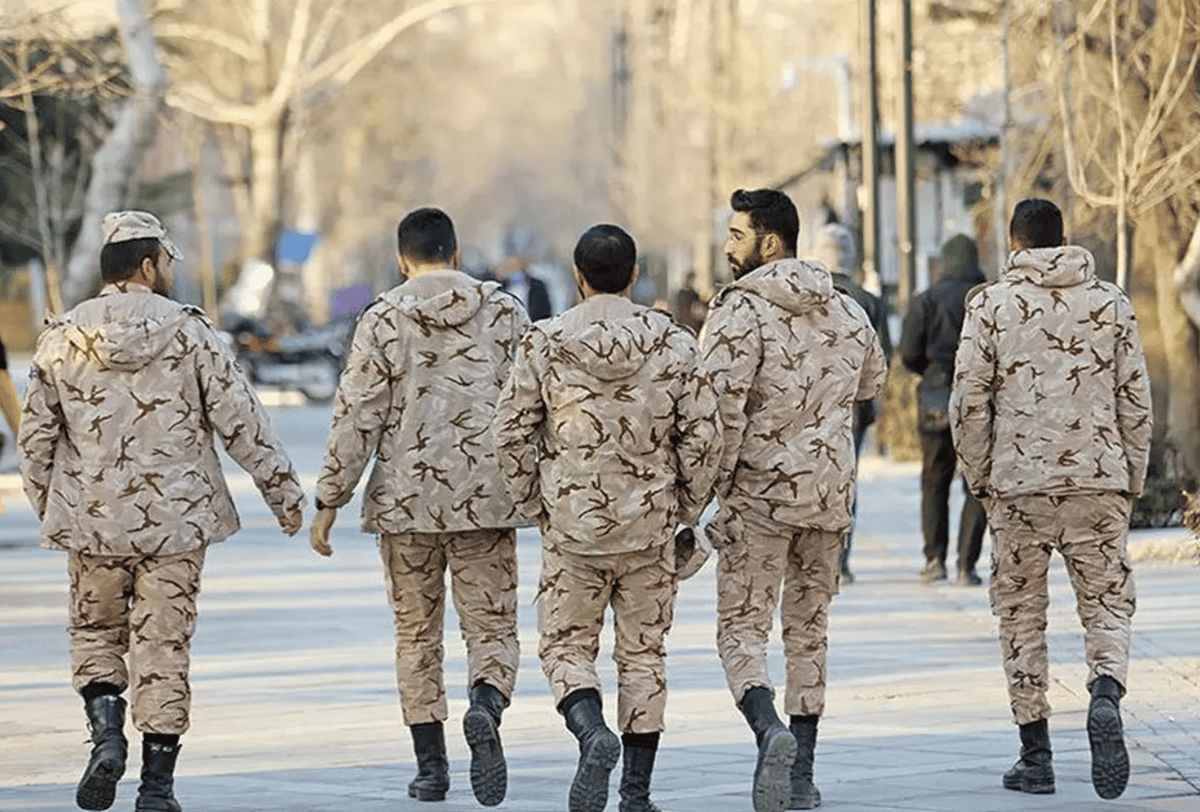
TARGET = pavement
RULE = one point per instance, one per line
(295, 708)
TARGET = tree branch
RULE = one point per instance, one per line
(1187, 278)
(222, 39)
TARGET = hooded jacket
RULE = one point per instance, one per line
(1050, 393)
(932, 324)
(126, 392)
(789, 357)
(607, 431)
(418, 393)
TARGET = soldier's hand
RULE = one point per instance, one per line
(318, 531)
(293, 520)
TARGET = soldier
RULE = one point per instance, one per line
(790, 357)
(1056, 477)
(421, 382)
(118, 459)
(609, 437)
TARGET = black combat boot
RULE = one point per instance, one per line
(776, 751)
(639, 751)
(1110, 760)
(481, 727)
(433, 770)
(157, 790)
(805, 794)
(599, 749)
(1033, 772)
(106, 721)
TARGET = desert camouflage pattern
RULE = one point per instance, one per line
(421, 382)
(117, 454)
(143, 607)
(758, 556)
(483, 581)
(789, 357)
(608, 434)
(572, 596)
(1050, 389)
(1090, 531)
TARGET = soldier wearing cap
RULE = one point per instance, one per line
(127, 390)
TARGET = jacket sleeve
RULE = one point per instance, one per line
(360, 410)
(239, 419)
(518, 424)
(731, 348)
(1134, 416)
(971, 406)
(698, 446)
(38, 437)
(914, 336)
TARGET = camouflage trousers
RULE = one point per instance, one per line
(758, 555)
(1090, 532)
(574, 592)
(143, 606)
(483, 581)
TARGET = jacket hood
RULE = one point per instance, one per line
(796, 285)
(122, 333)
(610, 337)
(1063, 266)
(440, 299)
(960, 261)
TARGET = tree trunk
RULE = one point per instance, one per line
(262, 232)
(1182, 438)
(115, 163)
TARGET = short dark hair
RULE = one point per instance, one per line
(121, 260)
(1036, 223)
(770, 210)
(426, 235)
(606, 256)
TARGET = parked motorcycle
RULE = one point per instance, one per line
(310, 361)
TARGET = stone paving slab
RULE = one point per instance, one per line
(295, 705)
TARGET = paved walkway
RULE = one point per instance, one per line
(295, 706)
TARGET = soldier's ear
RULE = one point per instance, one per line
(402, 265)
(772, 245)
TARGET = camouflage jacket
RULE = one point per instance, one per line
(1050, 387)
(608, 434)
(126, 392)
(418, 394)
(789, 357)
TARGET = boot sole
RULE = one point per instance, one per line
(98, 787)
(811, 801)
(1022, 784)
(589, 790)
(489, 772)
(427, 794)
(1110, 759)
(773, 775)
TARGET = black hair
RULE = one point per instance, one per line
(426, 235)
(121, 260)
(1036, 223)
(770, 210)
(606, 257)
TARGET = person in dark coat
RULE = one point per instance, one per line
(835, 248)
(928, 342)
(513, 275)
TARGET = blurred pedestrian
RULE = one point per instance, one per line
(609, 437)
(420, 386)
(689, 307)
(514, 276)
(1052, 422)
(834, 247)
(118, 459)
(790, 356)
(927, 345)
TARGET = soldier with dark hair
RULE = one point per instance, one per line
(1051, 417)
(790, 357)
(609, 437)
(418, 393)
(118, 458)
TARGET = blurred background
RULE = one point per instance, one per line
(292, 135)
